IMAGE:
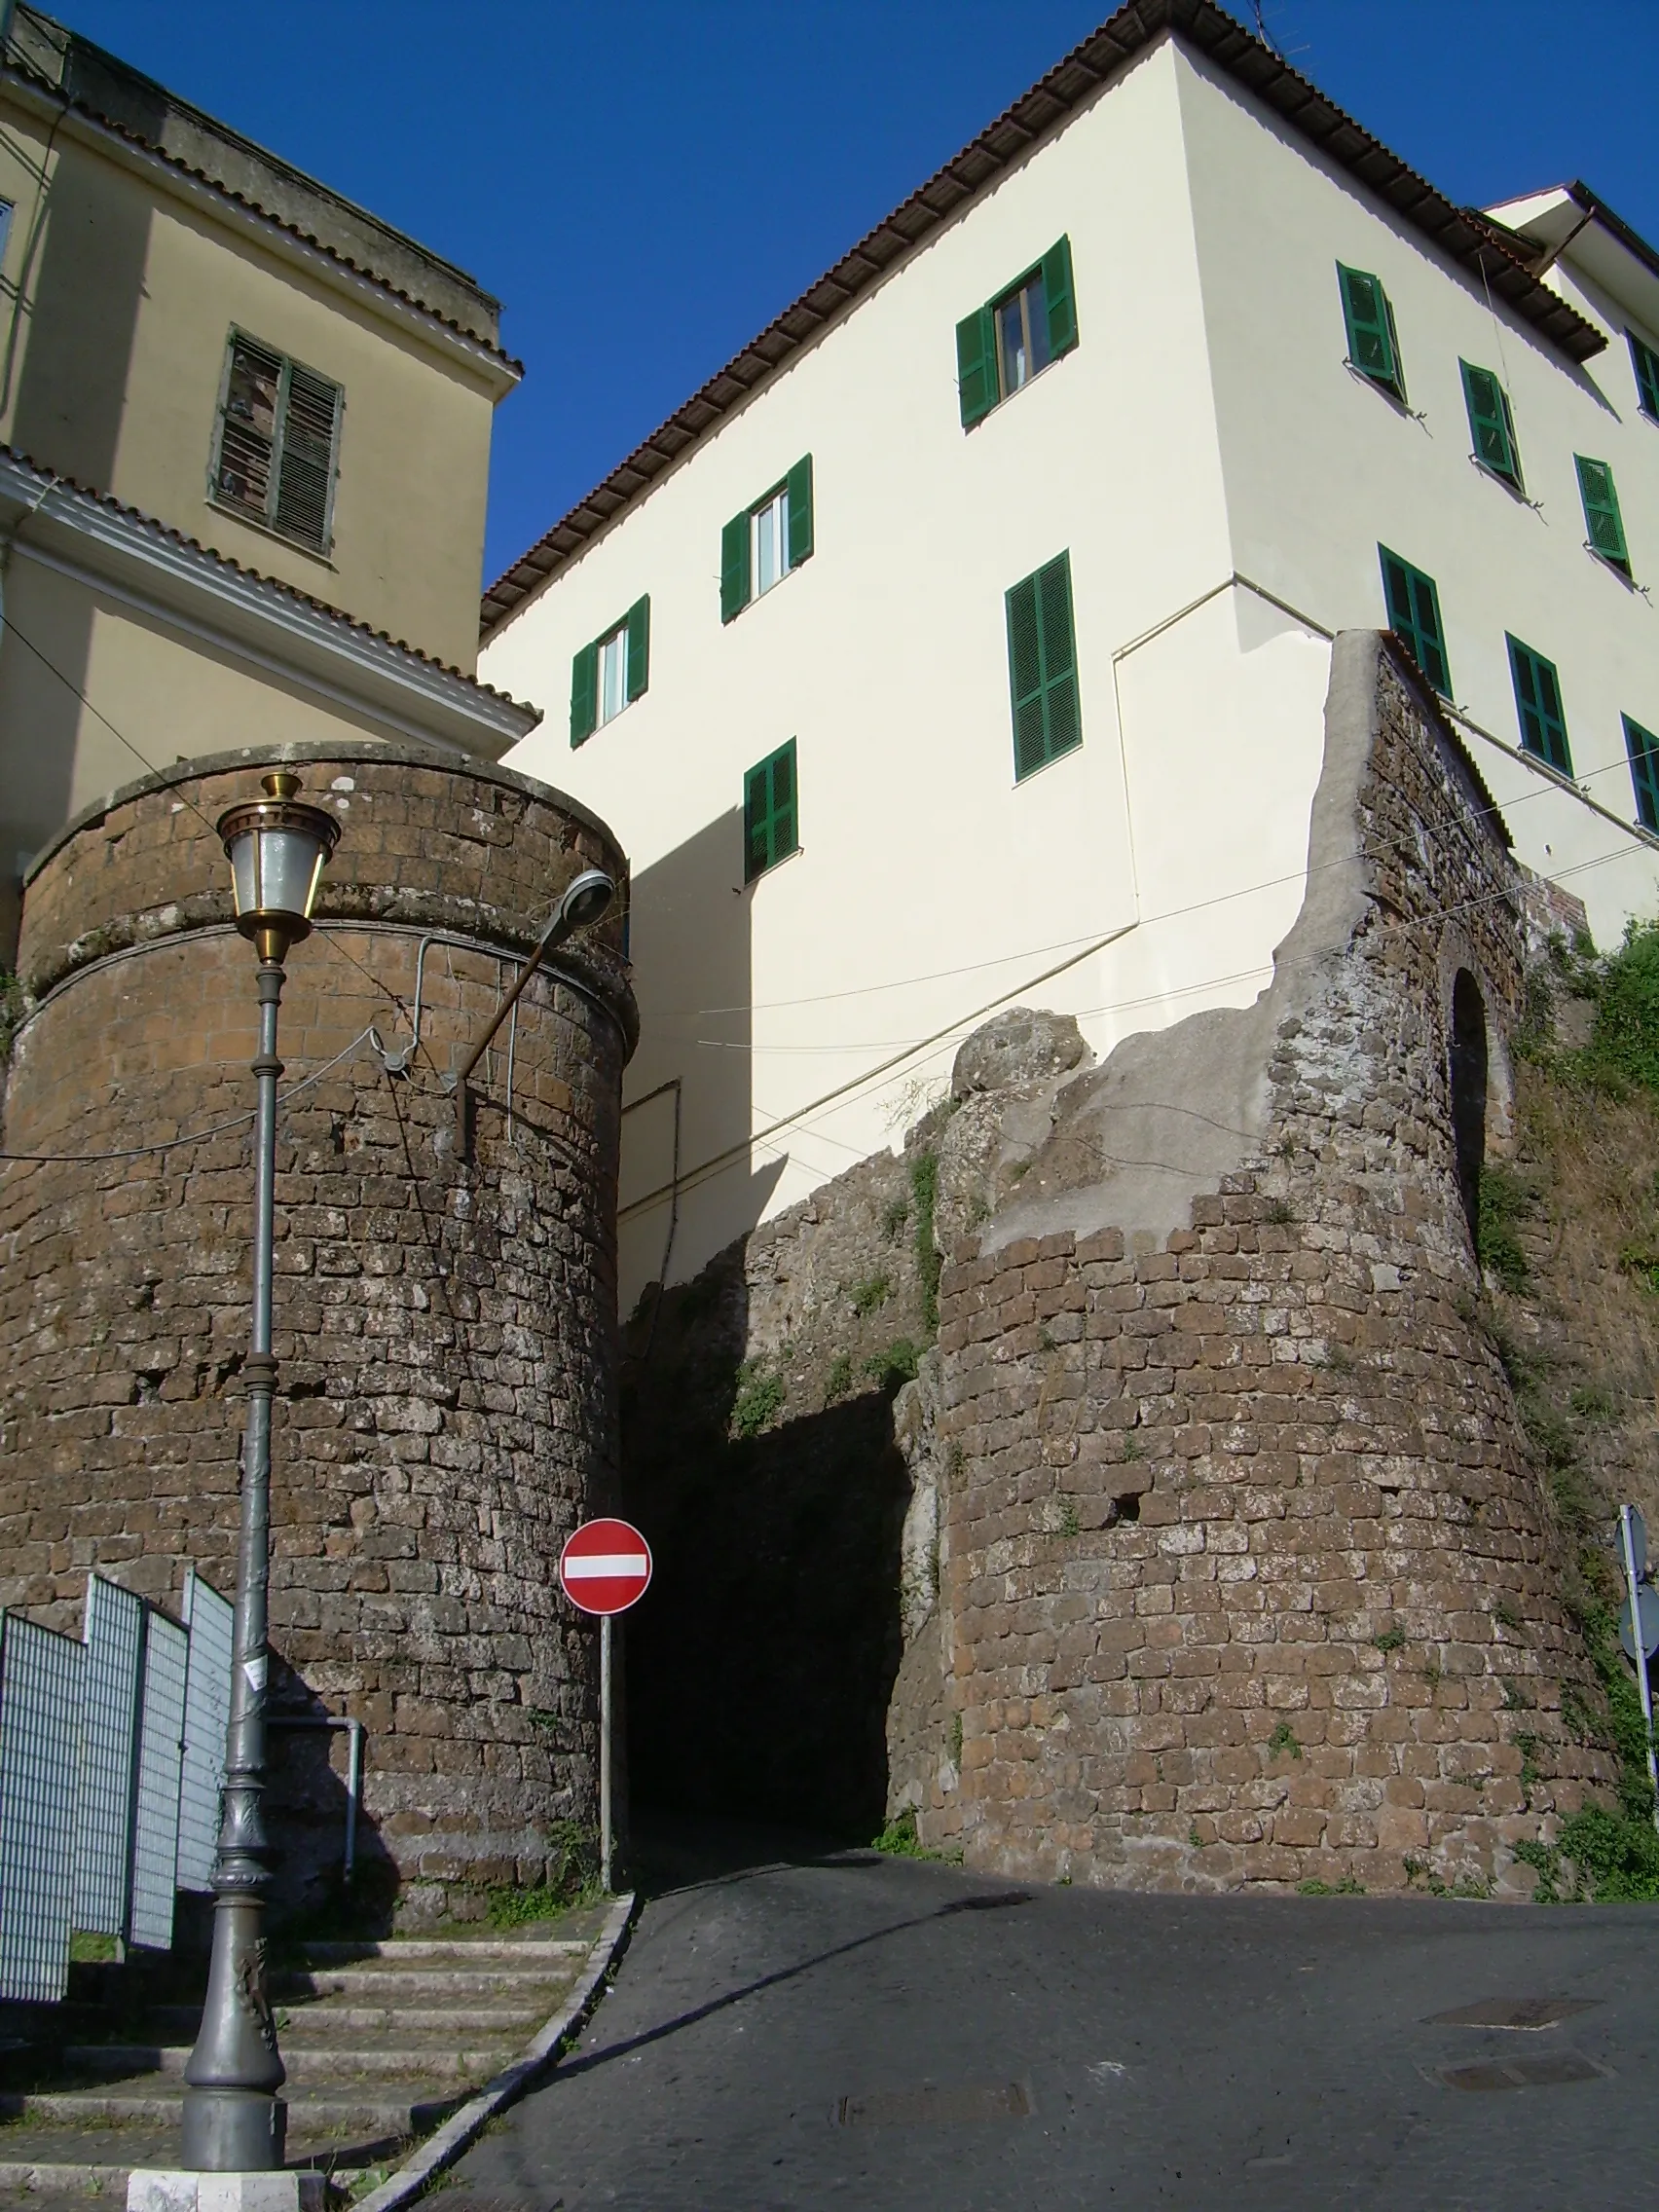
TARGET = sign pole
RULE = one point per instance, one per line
(1627, 1545)
(605, 1750)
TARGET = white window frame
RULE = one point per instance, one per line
(610, 678)
(776, 511)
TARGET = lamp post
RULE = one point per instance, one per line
(234, 2120)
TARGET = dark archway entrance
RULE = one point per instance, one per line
(1468, 1082)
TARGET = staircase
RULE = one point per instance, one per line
(383, 2041)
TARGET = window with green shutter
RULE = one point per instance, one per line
(1015, 335)
(1646, 363)
(1414, 613)
(1537, 703)
(1643, 748)
(1602, 517)
(1042, 667)
(276, 449)
(611, 672)
(771, 822)
(760, 547)
(1372, 343)
(1491, 426)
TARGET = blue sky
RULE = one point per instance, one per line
(644, 183)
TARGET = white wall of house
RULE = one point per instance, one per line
(1151, 872)
(1321, 467)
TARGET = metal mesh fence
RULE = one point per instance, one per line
(103, 1791)
(209, 1619)
(161, 1753)
(41, 1677)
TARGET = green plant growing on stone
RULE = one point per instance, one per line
(1506, 1615)
(11, 1015)
(897, 1363)
(955, 1740)
(875, 1291)
(1278, 1212)
(1595, 1404)
(1284, 1740)
(894, 1215)
(1347, 1887)
(1068, 1522)
(1503, 1200)
(760, 1399)
(900, 1841)
(1432, 1672)
(1194, 1838)
(1046, 1339)
(839, 1380)
(924, 1192)
(1390, 1640)
(1515, 1698)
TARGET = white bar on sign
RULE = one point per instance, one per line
(589, 1563)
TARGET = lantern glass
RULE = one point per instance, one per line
(277, 848)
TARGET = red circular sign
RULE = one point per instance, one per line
(605, 1566)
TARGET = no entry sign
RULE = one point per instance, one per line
(605, 1566)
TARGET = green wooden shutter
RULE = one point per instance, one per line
(1537, 704)
(638, 624)
(784, 836)
(1373, 346)
(735, 567)
(1646, 363)
(584, 694)
(977, 365)
(1602, 517)
(249, 416)
(798, 485)
(1026, 676)
(770, 814)
(1642, 747)
(1062, 725)
(1492, 426)
(1413, 612)
(305, 467)
(1059, 298)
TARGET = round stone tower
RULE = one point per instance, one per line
(445, 1312)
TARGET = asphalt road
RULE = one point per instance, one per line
(858, 2031)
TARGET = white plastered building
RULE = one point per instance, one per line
(831, 590)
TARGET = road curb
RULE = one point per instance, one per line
(538, 2056)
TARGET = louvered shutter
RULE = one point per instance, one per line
(247, 427)
(798, 485)
(1646, 363)
(1642, 747)
(584, 694)
(1602, 517)
(784, 838)
(770, 818)
(305, 467)
(1397, 591)
(1026, 676)
(1430, 645)
(1491, 425)
(734, 568)
(639, 625)
(1537, 704)
(1372, 343)
(977, 365)
(1059, 298)
(1061, 725)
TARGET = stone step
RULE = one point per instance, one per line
(318, 2015)
(458, 1950)
(306, 2061)
(392, 2109)
(392, 1984)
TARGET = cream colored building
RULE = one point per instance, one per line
(244, 438)
(1087, 452)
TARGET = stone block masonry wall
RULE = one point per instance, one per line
(446, 1331)
(1246, 1578)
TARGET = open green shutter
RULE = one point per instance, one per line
(1427, 632)
(1373, 346)
(735, 567)
(1396, 591)
(785, 836)
(1026, 676)
(977, 365)
(638, 646)
(1646, 363)
(1642, 747)
(1602, 517)
(756, 813)
(1492, 428)
(1062, 727)
(1060, 297)
(584, 694)
(798, 485)
(1537, 704)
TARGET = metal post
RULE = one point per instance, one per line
(234, 2120)
(1633, 1585)
(605, 1753)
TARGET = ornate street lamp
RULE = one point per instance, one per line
(234, 2120)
